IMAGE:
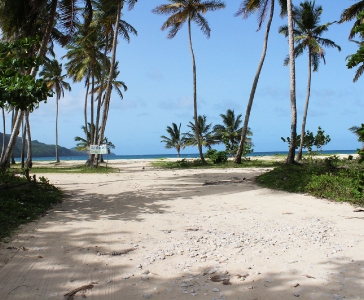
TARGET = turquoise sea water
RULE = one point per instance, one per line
(195, 155)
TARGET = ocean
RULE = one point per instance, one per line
(195, 155)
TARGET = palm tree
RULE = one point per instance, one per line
(85, 63)
(307, 34)
(292, 88)
(230, 132)
(206, 134)
(351, 13)
(189, 10)
(175, 140)
(115, 33)
(248, 7)
(104, 20)
(52, 74)
(100, 87)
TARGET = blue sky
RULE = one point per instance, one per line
(158, 74)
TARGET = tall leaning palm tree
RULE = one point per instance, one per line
(52, 75)
(183, 11)
(307, 36)
(175, 140)
(247, 8)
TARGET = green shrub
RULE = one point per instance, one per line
(216, 156)
(331, 178)
(22, 201)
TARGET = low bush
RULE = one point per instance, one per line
(23, 200)
(216, 156)
(331, 178)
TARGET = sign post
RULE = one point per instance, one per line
(100, 149)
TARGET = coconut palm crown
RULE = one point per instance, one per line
(249, 7)
(206, 134)
(307, 33)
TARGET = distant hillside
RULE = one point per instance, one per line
(40, 149)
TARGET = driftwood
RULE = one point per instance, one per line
(116, 253)
(229, 181)
(70, 295)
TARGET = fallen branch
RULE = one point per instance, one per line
(116, 253)
(70, 295)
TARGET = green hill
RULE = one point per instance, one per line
(40, 149)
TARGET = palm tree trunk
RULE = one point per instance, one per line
(23, 140)
(4, 133)
(292, 146)
(254, 87)
(29, 162)
(13, 118)
(85, 107)
(197, 132)
(299, 155)
(111, 74)
(5, 160)
(57, 157)
(99, 98)
(92, 107)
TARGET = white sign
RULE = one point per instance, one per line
(96, 149)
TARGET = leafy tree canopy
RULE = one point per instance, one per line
(358, 57)
(17, 88)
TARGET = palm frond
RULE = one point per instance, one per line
(351, 12)
(202, 24)
(358, 73)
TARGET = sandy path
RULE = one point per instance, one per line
(183, 233)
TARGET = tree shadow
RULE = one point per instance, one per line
(62, 247)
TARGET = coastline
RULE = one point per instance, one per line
(186, 156)
(140, 162)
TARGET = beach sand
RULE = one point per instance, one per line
(182, 234)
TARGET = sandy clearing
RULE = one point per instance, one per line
(184, 233)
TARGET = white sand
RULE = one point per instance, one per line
(185, 232)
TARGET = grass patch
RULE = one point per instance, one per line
(22, 201)
(197, 164)
(67, 169)
(330, 178)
